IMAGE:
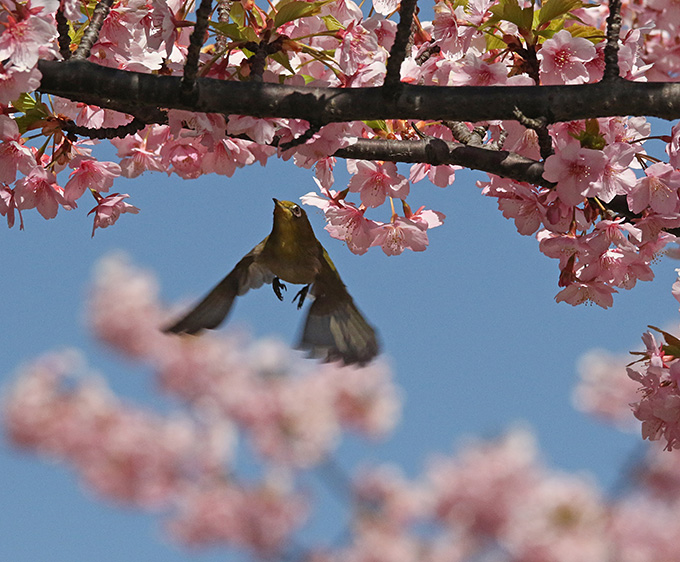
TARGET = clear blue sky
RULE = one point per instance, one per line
(470, 326)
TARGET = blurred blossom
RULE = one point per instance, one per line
(604, 389)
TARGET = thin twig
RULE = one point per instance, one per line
(611, 49)
(91, 34)
(105, 132)
(302, 139)
(64, 38)
(223, 11)
(194, 51)
(398, 50)
(538, 124)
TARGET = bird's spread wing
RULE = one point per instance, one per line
(248, 274)
(335, 329)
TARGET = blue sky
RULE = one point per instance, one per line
(470, 327)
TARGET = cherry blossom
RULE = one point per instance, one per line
(39, 190)
(375, 181)
(109, 208)
(574, 170)
(658, 190)
(563, 59)
(90, 173)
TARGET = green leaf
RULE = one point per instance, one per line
(238, 14)
(509, 10)
(332, 24)
(283, 60)
(494, 42)
(34, 110)
(296, 9)
(553, 9)
(671, 340)
(377, 125)
(234, 31)
(589, 32)
(24, 103)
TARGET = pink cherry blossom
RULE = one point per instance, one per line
(617, 177)
(184, 157)
(441, 176)
(109, 208)
(8, 206)
(401, 234)
(673, 147)
(658, 190)
(574, 169)
(385, 7)
(596, 292)
(260, 517)
(92, 174)
(346, 222)
(14, 155)
(374, 181)
(21, 41)
(14, 82)
(39, 189)
(604, 389)
(358, 46)
(481, 486)
(561, 518)
(563, 59)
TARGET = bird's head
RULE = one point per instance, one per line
(290, 220)
(288, 211)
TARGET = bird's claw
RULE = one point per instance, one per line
(278, 287)
(301, 295)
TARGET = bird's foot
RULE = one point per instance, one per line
(301, 295)
(278, 287)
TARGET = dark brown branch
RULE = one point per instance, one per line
(463, 134)
(539, 125)
(302, 139)
(398, 50)
(437, 152)
(64, 38)
(105, 132)
(127, 91)
(611, 49)
(91, 34)
(196, 41)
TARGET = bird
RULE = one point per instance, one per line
(334, 330)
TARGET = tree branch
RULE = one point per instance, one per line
(611, 49)
(437, 152)
(194, 51)
(398, 50)
(64, 39)
(88, 82)
(91, 34)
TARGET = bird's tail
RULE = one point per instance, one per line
(338, 331)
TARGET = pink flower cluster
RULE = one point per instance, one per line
(659, 407)
(491, 499)
(597, 254)
(347, 222)
(604, 390)
(292, 410)
(340, 46)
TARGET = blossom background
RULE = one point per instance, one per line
(470, 327)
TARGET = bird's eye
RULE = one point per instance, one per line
(296, 211)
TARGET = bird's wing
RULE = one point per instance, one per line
(248, 274)
(334, 328)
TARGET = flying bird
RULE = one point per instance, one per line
(334, 328)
